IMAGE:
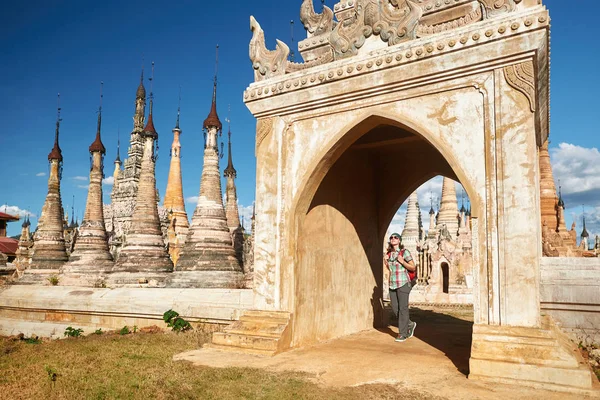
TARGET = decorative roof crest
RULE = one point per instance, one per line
(338, 34)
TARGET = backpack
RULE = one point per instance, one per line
(412, 275)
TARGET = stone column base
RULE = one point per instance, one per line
(38, 277)
(543, 358)
(206, 279)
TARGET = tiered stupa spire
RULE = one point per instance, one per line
(25, 243)
(90, 253)
(118, 163)
(548, 200)
(208, 258)
(49, 250)
(231, 208)
(448, 214)
(125, 187)
(144, 249)
(431, 232)
(174, 200)
(410, 233)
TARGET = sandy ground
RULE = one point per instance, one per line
(434, 361)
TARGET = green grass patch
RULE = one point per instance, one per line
(140, 366)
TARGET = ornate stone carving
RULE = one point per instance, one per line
(474, 15)
(497, 7)
(266, 63)
(316, 23)
(522, 78)
(264, 126)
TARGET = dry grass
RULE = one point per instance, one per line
(140, 366)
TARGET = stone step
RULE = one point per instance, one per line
(232, 349)
(245, 341)
(284, 315)
(257, 330)
(250, 320)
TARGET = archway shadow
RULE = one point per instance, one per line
(451, 335)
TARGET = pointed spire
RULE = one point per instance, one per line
(178, 110)
(97, 145)
(118, 159)
(229, 171)
(584, 232)
(213, 119)
(149, 129)
(431, 211)
(141, 90)
(561, 203)
(72, 225)
(56, 153)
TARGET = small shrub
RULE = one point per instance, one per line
(175, 322)
(71, 332)
(53, 280)
(32, 340)
(124, 330)
(98, 331)
(135, 328)
(52, 374)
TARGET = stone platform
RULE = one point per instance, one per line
(47, 311)
(435, 361)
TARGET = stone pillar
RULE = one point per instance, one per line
(448, 208)
(208, 258)
(548, 200)
(144, 249)
(90, 254)
(410, 233)
(174, 202)
(49, 251)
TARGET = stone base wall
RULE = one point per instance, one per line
(47, 311)
(570, 293)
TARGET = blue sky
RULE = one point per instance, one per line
(70, 46)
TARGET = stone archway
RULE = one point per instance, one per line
(470, 81)
(339, 223)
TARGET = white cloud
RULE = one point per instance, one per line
(40, 174)
(83, 186)
(192, 199)
(108, 181)
(16, 211)
(80, 178)
(578, 169)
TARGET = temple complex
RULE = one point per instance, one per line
(144, 249)
(174, 200)
(208, 258)
(49, 251)
(231, 207)
(90, 253)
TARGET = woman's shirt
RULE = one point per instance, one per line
(398, 274)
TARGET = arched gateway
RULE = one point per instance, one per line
(394, 93)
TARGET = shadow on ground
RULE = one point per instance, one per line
(447, 333)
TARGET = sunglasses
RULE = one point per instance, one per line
(394, 237)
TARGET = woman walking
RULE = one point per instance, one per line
(399, 261)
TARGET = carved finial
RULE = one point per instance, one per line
(118, 159)
(266, 63)
(178, 109)
(56, 153)
(315, 23)
(213, 118)
(561, 202)
(149, 129)
(229, 171)
(97, 145)
(431, 211)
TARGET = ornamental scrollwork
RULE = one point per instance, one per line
(266, 63)
(522, 78)
(316, 23)
(497, 7)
